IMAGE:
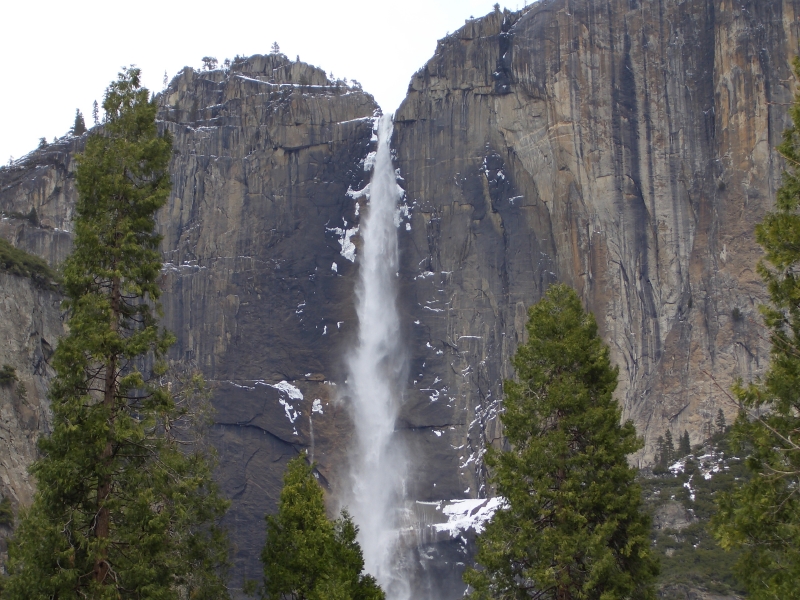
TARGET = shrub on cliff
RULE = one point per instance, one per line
(307, 556)
(763, 517)
(8, 375)
(18, 262)
(572, 525)
(6, 512)
(123, 509)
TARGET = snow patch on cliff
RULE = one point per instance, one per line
(348, 247)
(288, 389)
(463, 515)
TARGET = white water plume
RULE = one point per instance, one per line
(376, 374)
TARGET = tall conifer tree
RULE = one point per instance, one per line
(307, 556)
(669, 446)
(572, 525)
(685, 447)
(720, 422)
(763, 517)
(121, 511)
(79, 126)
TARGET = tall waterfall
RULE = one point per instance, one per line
(376, 375)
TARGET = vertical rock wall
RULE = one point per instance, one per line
(259, 249)
(622, 146)
(259, 272)
(30, 325)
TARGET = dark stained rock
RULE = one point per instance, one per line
(265, 154)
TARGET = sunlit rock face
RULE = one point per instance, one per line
(622, 146)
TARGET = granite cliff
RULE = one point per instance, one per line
(622, 146)
(258, 264)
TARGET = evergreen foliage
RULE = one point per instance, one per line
(126, 506)
(669, 447)
(763, 517)
(665, 452)
(8, 375)
(660, 456)
(95, 113)
(685, 445)
(79, 126)
(688, 553)
(572, 526)
(6, 512)
(307, 556)
(18, 262)
(720, 422)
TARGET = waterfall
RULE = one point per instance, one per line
(376, 374)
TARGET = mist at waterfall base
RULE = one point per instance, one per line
(376, 374)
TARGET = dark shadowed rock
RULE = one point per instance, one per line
(265, 154)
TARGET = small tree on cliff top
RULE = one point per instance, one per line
(121, 511)
(572, 526)
(79, 126)
(307, 556)
(763, 516)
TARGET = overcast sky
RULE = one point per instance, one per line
(60, 55)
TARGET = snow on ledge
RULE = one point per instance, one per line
(463, 515)
(288, 389)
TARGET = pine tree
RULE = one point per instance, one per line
(79, 126)
(720, 422)
(685, 445)
(275, 49)
(6, 512)
(572, 525)
(669, 447)
(95, 113)
(763, 516)
(306, 556)
(661, 457)
(122, 510)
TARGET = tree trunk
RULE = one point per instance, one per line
(103, 525)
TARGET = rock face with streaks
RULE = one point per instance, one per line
(30, 325)
(259, 265)
(258, 262)
(622, 146)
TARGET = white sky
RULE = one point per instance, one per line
(61, 55)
